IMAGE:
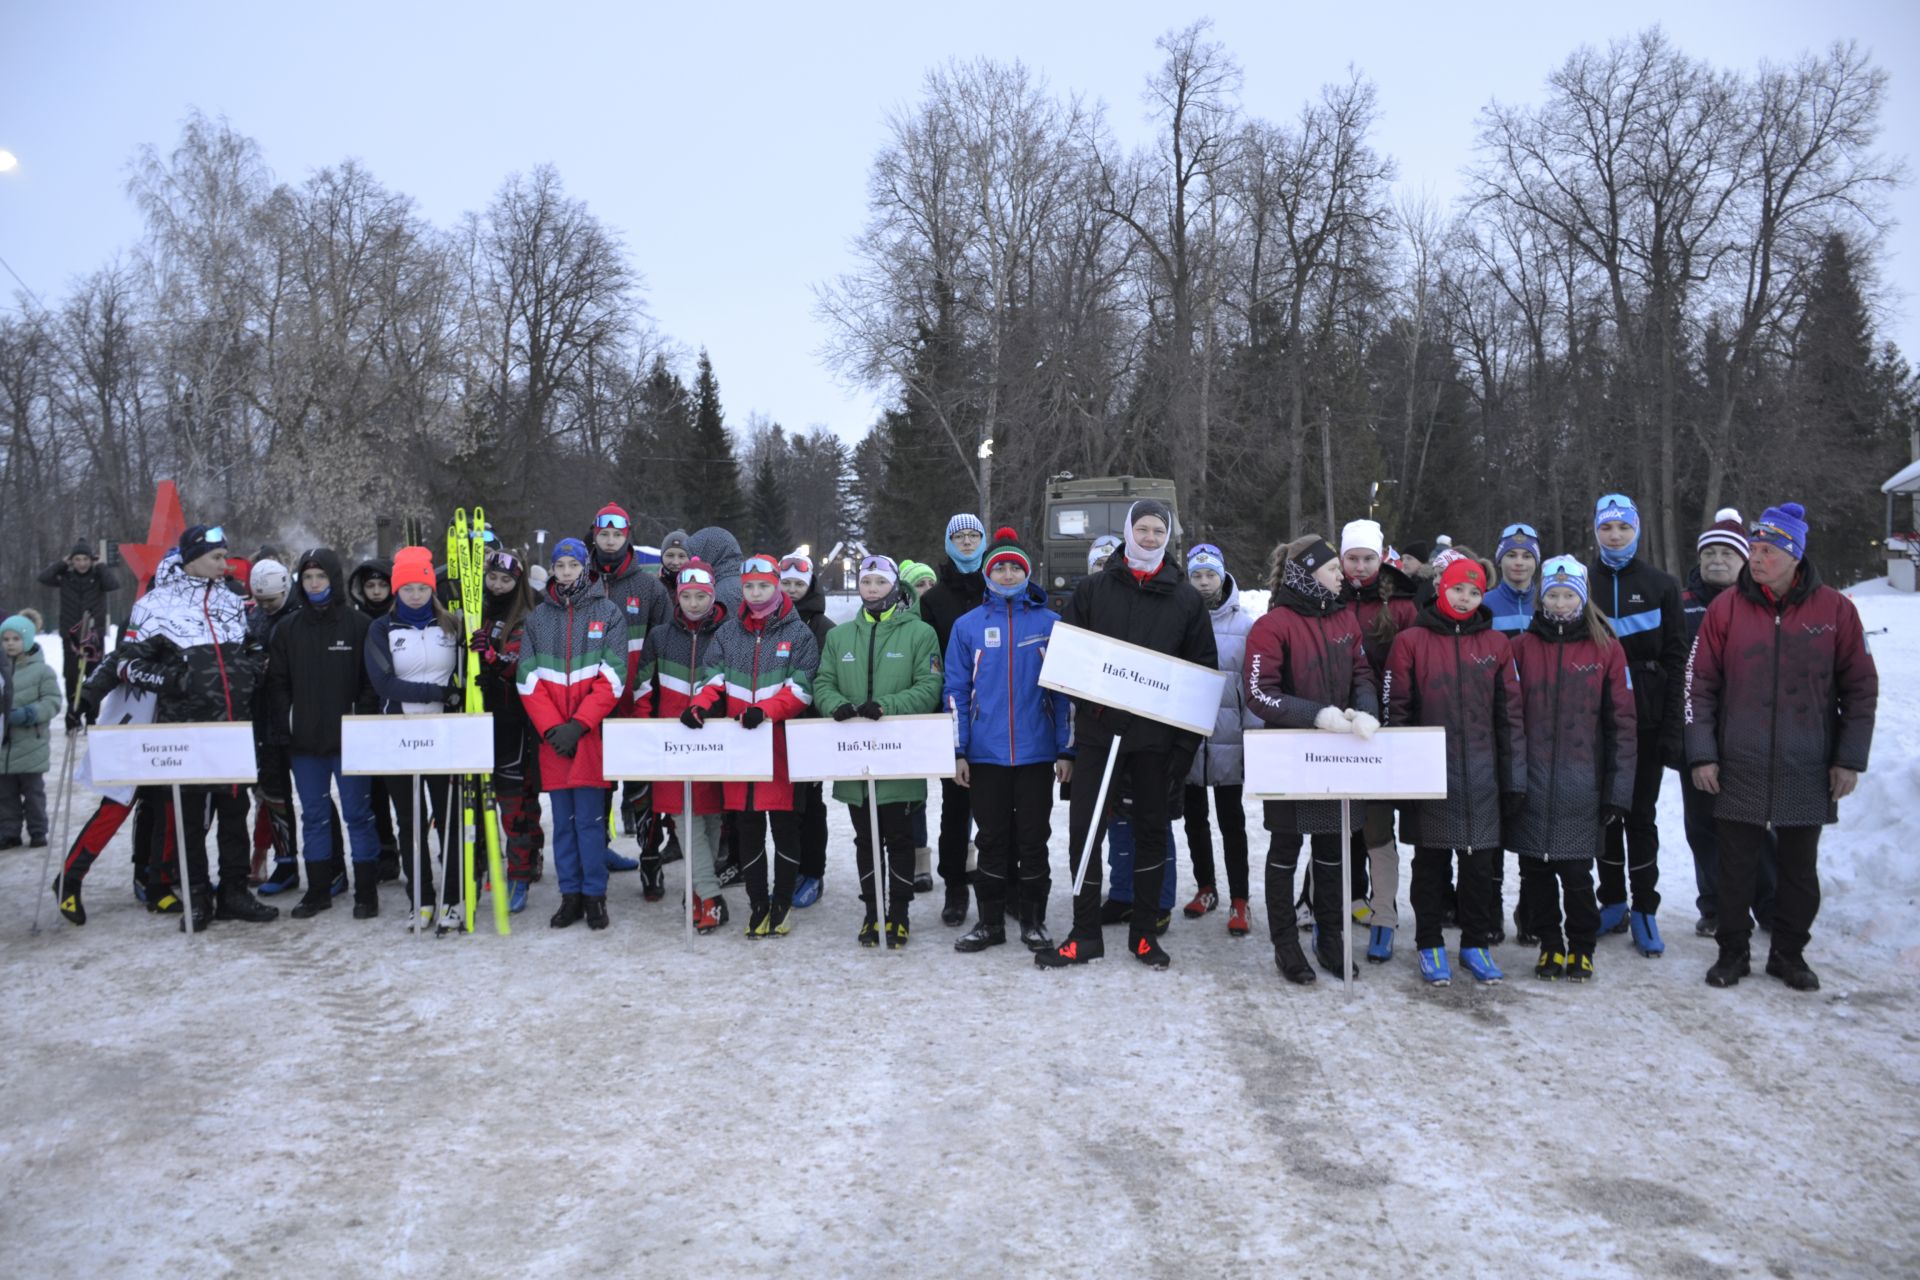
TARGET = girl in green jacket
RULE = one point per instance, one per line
(26, 746)
(885, 662)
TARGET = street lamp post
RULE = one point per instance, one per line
(985, 455)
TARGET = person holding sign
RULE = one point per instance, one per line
(681, 660)
(573, 669)
(1451, 668)
(885, 661)
(1143, 597)
(1307, 669)
(1581, 741)
(768, 658)
(413, 655)
(1012, 740)
(196, 657)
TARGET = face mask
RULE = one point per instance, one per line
(967, 564)
(1013, 592)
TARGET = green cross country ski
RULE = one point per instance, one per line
(470, 574)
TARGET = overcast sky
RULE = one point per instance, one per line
(730, 144)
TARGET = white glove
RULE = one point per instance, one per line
(1363, 724)
(1332, 720)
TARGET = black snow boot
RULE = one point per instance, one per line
(366, 890)
(1289, 958)
(70, 906)
(233, 902)
(1033, 929)
(1791, 968)
(596, 912)
(573, 909)
(319, 894)
(1734, 964)
(982, 936)
(203, 909)
(954, 912)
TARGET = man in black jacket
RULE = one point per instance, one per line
(84, 585)
(317, 673)
(959, 590)
(1142, 597)
(1644, 606)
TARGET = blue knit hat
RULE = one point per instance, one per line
(964, 522)
(1785, 527)
(1564, 571)
(569, 547)
(1616, 506)
(1207, 556)
(1517, 537)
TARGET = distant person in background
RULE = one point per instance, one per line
(801, 584)
(1382, 598)
(1414, 557)
(1220, 763)
(1722, 551)
(919, 576)
(959, 591)
(1102, 550)
(27, 748)
(1780, 701)
(1515, 598)
(84, 584)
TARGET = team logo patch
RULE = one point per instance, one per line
(846, 657)
(783, 649)
(595, 630)
(633, 604)
(993, 637)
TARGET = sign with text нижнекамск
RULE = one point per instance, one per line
(1308, 764)
(423, 744)
(164, 755)
(668, 751)
(1085, 664)
(892, 747)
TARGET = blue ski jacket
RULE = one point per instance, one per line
(1001, 715)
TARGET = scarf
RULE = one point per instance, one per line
(1013, 592)
(1297, 579)
(418, 618)
(766, 609)
(967, 564)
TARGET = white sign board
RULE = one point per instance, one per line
(1085, 664)
(827, 750)
(399, 745)
(668, 751)
(163, 755)
(1307, 764)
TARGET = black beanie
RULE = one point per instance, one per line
(1150, 507)
(199, 540)
(82, 548)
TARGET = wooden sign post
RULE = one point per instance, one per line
(890, 748)
(173, 755)
(668, 751)
(417, 746)
(1143, 682)
(1308, 764)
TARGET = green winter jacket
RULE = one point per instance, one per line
(895, 662)
(28, 747)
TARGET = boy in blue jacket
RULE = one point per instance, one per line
(1012, 739)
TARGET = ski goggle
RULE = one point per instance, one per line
(1523, 529)
(610, 521)
(695, 578)
(796, 569)
(761, 566)
(504, 562)
(489, 537)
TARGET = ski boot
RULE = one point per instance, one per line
(1074, 951)
(285, 877)
(1114, 911)
(70, 906)
(596, 909)
(1379, 944)
(1204, 900)
(516, 896)
(203, 909)
(896, 935)
(1434, 969)
(366, 890)
(1613, 918)
(1646, 935)
(1033, 930)
(870, 932)
(1479, 962)
(653, 880)
(1326, 949)
(1732, 965)
(618, 862)
(233, 902)
(1291, 961)
(780, 920)
(1239, 919)
(1148, 951)
(1580, 965)
(759, 922)
(806, 891)
(1552, 965)
(953, 913)
(573, 909)
(319, 894)
(982, 936)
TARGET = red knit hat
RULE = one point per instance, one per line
(1006, 546)
(412, 565)
(612, 509)
(694, 575)
(1463, 569)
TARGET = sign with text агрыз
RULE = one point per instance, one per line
(167, 755)
(1308, 764)
(892, 747)
(1084, 664)
(418, 744)
(668, 751)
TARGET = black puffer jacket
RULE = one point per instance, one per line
(81, 594)
(188, 643)
(952, 597)
(1164, 614)
(318, 668)
(1643, 603)
(357, 587)
(812, 608)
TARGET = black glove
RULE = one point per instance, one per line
(1612, 813)
(752, 718)
(693, 718)
(844, 712)
(1511, 803)
(871, 710)
(74, 720)
(565, 738)
(456, 698)
(1114, 720)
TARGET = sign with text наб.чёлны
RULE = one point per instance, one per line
(892, 747)
(1085, 664)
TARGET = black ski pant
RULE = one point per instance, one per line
(435, 792)
(1359, 869)
(1283, 859)
(896, 838)
(813, 827)
(1476, 906)
(753, 825)
(1704, 839)
(1013, 805)
(1544, 883)
(1146, 777)
(1630, 854)
(956, 825)
(221, 811)
(1233, 838)
(1796, 899)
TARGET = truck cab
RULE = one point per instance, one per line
(1078, 512)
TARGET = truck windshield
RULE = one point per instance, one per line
(1087, 520)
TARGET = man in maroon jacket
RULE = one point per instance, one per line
(1780, 697)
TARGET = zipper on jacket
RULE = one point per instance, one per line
(1553, 774)
(1012, 757)
(873, 638)
(1773, 747)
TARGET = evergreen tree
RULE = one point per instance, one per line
(661, 432)
(768, 524)
(710, 482)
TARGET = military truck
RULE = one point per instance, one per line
(1078, 511)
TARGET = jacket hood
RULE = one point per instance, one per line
(1164, 580)
(328, 559)
(718, 548)
(1229, 600)
(813, 602)
(1432, 619)
(1806, 581)
(1556, 632)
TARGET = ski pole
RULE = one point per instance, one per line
(65, 828)
(416, 839)
(881, 872)
(1346, 911)
(1099, 809)
(687, 799)
(180, 865)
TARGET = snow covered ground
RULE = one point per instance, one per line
(337, 1098)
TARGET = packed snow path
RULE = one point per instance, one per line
(334, 1097)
